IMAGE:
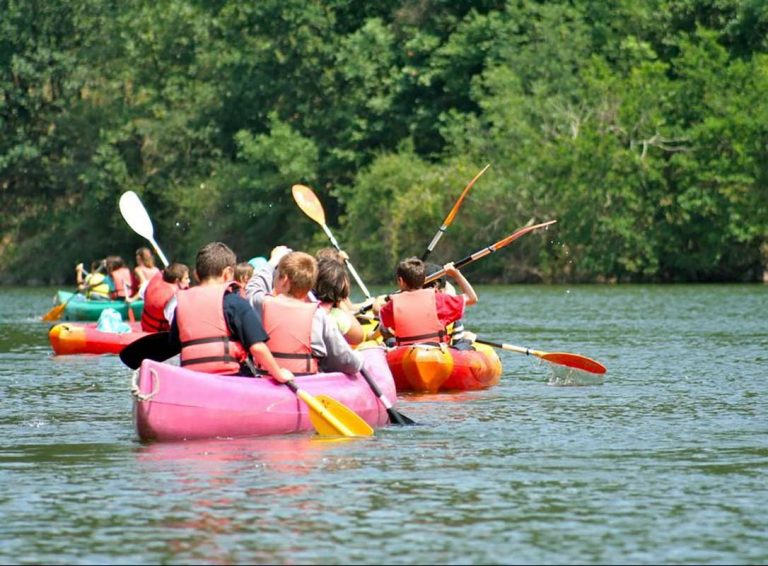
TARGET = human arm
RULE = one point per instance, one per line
(266, 360)
(331, 348)
(260, 284)
(466, 288)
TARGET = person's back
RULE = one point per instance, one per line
(121, 278)
(298, 328)
(418, 315)
(93, 285)
(159, 297)
(214, 327)
(143, 273)
(332, 290)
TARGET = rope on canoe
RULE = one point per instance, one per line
(136, 391)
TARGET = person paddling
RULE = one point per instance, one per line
(160, 297)
(460, 338)
(121, 278)
(143, 273)
(332, 290)
(214, 327)
(302, 335)
(95, 284)
(418, 315)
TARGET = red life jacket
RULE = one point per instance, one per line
(206, 342)
(415, 315)
(156, 296)
(121, 277)
(289, 325)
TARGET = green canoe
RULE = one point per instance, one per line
(80, 308)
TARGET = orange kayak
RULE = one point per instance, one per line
(429, 369)
(85, 338)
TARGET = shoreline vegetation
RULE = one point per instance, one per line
(642, 129)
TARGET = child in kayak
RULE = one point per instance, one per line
(95, 284)
(418, 315)
(460, 338)
(160, 297)
(214, 328)
(301, 334)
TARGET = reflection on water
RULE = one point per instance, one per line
(662, 460)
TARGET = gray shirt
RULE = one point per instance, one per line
(327, 342)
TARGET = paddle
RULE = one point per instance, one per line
(56, 312)
(311, 206)
(451, 215)
(136, 216)
(155, 346)
(490, 249)
(395, 417)
(576, 361)
(331, 418)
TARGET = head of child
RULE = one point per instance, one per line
(332, 284)
(177, 274)
(243, 272)
(215, 263)
(113, 262)
(296, 275)
(439, 283)
(329, 253)
(410, 274)
(144, 257)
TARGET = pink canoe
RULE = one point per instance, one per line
(172, 403)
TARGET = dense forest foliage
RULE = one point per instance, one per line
(642, 127)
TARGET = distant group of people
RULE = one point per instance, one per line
(286, 316)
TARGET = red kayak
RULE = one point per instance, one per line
(83, 338)
(429, 369)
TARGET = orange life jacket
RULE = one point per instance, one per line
(206, 342)
(156, 296)
(121, 277)
(415, 315)
(289, 325)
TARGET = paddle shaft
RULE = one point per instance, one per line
(395, 416)
(451, 215)
(348, 263)
(488, 250)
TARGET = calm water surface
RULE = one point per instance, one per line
(664, 462)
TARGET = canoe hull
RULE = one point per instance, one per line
(430, 369)
(82, 309)
(172, 403)
(69, 338)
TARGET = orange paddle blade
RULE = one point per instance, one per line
(309, 203)
(455, 209)
(576, 361)
(55, 313)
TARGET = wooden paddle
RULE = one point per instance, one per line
(395, 417)
(136, 216)
(311, 206)
(576, 361)
(490, 249)
(451, 215)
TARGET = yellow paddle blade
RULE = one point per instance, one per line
(331, 418)
(353, 422)
(55, 313)
(309, 203)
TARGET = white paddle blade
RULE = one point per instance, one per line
(135, 215)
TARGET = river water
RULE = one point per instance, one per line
(663, 461)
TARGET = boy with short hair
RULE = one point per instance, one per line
(302, 335)
(216, 329)
(418, 315)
